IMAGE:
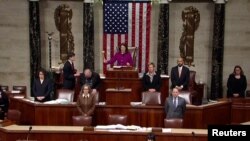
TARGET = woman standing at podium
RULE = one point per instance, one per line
(86, 101)
(123, 57)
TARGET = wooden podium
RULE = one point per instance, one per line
(122, 72)
(116, 96)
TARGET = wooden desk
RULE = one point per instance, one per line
(118, 96)
(71, 133)
(145, 116)
(240, 111)
(135, 84)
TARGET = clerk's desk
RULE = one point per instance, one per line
(119, 78)
(146, 116)
(73, 133)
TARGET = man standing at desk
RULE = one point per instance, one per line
(69, 72)
(180, 75)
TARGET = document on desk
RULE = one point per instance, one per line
(117, 128)
(166, 130)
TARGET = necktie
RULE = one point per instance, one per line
(72, 65)
(175, 102)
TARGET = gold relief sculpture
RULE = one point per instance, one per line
(191, 20)
(63, 15)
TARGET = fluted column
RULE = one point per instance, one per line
(163, 38)
(88, 34)
(34, 34)
(218, 50)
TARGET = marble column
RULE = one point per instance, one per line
(218, 50)
(88, 34)
(34, 35)
(163, 38)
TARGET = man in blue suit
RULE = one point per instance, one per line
(175, 106)
(180, 75)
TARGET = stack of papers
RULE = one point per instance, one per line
(15, 91)
(136, 103)
(117, 127)
(57, 101)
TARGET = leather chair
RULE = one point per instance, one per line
(133, 51)
(65, 94)
(173, 123)
(82, 120)
(22, 89)
(117, 119)
(151, 98)
(194, 94)
(14, 116)
(5, 88)
(97, 97)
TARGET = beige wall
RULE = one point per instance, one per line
(14, 43)
(14, 38)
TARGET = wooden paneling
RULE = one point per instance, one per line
(145, 116)
(240, 111)
(76, 134)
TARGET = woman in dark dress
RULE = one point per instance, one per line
(42, 87)
(236, 83)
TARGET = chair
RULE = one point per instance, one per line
(247, 94)
(117, 119)
(14, 115)
(82, 120)
(151, 98)
(5, 88)
(65, 94)
(194, 94)
(133, 51)
(173, 123)
(97, 97)
(22, 89)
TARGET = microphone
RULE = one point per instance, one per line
(193, 135)
(30, 128)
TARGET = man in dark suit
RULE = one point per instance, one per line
(69, 72)
(4, 103)
(91, 78)
(151, 79)
(175, 106)
(180, 76)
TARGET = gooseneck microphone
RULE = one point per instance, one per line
(30, 128)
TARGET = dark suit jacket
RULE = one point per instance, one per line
(43, 89)
(95, 80)
(236, 85)
(175, 112)
(4, 104)
(68, 76)
(155, 84)
(178, 81)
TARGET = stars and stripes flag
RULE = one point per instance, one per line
(127, 22)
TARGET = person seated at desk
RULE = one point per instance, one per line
(175, 106)
(42, 87)
(86, 101)
(236, 83)
(90, 78)
(151, 80)
(180, 75)
(123, 57)
(4, 104)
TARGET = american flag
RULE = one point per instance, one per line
(127, 22)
